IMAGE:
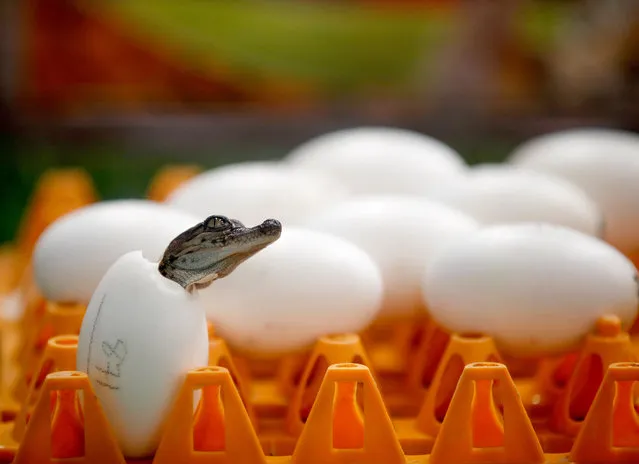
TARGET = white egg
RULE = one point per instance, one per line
(401, 234)
(304, 286)
(380, 160)
(604, 163)
(502, 194)
(72, 254)
(255, 191)
(140, 335)
(538, 289)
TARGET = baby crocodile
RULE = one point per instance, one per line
(213, 249)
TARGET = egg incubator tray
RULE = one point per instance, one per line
(402, 392)
(348, 400)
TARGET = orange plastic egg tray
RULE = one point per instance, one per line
(401, 392)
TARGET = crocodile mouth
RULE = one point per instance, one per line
(227, 265)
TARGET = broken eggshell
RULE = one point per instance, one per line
(140, 336)
(306, 285)
(537, 289)
(74, 252)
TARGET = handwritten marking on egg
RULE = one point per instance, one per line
(537, 289)
(380, 160)
(140, 335)
(73, 254)
(401, 234)
(602, 162)
(502, 194)
(251, 190)
(306, 285)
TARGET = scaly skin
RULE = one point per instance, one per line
(213, 249)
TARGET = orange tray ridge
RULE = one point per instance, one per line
(335, 411)
(400, 392)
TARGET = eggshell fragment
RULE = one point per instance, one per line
(401, 234)
(380, 160)
(604, 163)
(304, 286)
(537, 289)
(140, 335)
(255, 191)
(502, 194)
(73, 253)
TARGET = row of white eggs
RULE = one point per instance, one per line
(398, 232)
(567, 177)
(359, 236)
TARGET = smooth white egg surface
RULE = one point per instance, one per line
(502, 194)
(538, 289)
(604, 163)
(380, 160)
(401, 234)
(73, 253)
(304, 286)
(140, 335)
(259, 190)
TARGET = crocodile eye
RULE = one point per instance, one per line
(217, 223)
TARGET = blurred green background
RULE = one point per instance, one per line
(125, 173)
(125, 88)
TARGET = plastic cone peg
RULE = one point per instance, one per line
(32, 323)
(58, 319)
(603, 348)
(9, 265)
(461, 351)
(610, 432)
(405, 332)
(221, 432)
(289, 372)
(335, 431)
(219, 355)
(59, 355)
(329, 350)
(66, 319)
(472, 431)
(427, 356)
(57, 192)
(169, 178)
(552, 377)
(87, 439)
